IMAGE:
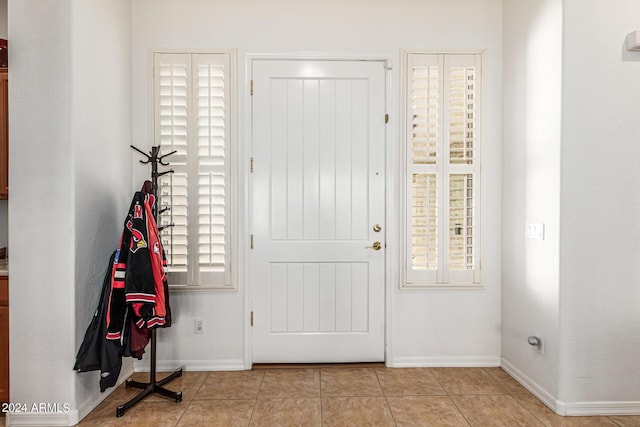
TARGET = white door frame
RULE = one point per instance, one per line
(391, 158)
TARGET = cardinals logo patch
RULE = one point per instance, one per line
(137, 239)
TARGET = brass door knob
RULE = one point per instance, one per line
(376, 246)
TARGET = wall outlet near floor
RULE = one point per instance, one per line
(199, 325)
(534, 231)
(537, 343)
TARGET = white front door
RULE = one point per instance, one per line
(318, 195)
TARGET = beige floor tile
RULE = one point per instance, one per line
(286, 412)
(349, 382)
(231, 385)
(123, 393)
(467, 381)
(280, 383)
(189, 383)
(433, 411)
(494, 411)
(218, 413)
(356, 411)
(408, 382)
(507, 381)
(551, 419)
(341, 396)
(626, 421)
(144, 414)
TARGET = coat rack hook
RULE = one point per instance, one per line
(166, 155)
(143, 153)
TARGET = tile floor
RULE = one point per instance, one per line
(345, 396)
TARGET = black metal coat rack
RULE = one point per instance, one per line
(153, 386)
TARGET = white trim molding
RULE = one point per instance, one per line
(571, 408)
(445, 362)
(539, 392)
(193, 365)
(43, 419)
(64, 418)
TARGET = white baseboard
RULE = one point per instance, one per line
(601, 408)
(543, 395)
(192, 365)
(63, 417)
(40, 419)
(444, 362)
(86, 408)
(571, 408)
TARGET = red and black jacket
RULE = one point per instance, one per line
(138, 279)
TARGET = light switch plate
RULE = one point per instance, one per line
(633, 41)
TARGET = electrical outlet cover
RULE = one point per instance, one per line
(199, 326)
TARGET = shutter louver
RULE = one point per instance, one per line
(211, 222)
(462, 169)
(424, 224)
(212, 176)
(172, 105)
(462, 106)
(425, 96)
(461, 254)
(173, 194)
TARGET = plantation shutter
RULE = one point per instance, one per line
(424, 139)
(192, 117)
(442, 179)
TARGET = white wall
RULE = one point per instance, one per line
(101, 135)
(531, 126)
(427, 327)
(571, 99)
(600, 237)
(41, 213)
(70, 127)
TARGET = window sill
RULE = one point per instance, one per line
(184, 288)
(442, 286)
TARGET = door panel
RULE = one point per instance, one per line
(319, 297)
(318, 189)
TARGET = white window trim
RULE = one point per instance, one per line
(233, 221)
(404, 284)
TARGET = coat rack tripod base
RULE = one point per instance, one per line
(150, 388)
(153, 386)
